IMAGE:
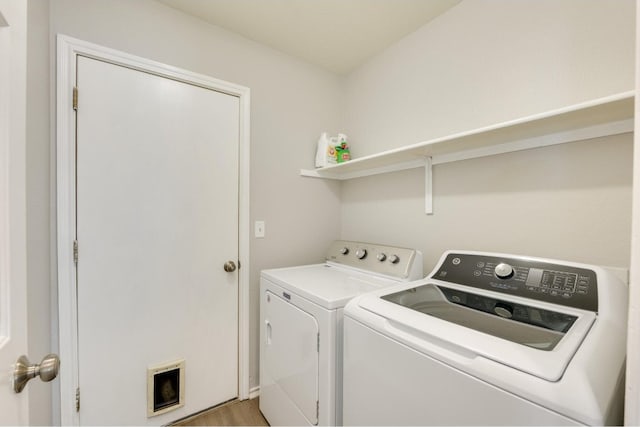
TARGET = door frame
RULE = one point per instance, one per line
(68, 49)
(632, 395)
(5, 199)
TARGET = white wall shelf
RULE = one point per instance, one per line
(607, 116)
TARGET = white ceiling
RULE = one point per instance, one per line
(338, 35)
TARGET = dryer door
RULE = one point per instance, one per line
(290, 343)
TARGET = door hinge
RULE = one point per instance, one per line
(78, 399)
(75, 98)
(75, 251)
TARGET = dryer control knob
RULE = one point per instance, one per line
(361, 253)
(394, 259)
(344, 251)
(504, 271)
(381, 256)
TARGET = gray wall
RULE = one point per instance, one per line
(40, 275)
(481, 63)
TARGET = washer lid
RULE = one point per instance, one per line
(534, 338)
(519, 323)
(327, 285)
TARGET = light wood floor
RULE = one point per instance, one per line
(234, 413)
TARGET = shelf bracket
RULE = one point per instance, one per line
(428, 185)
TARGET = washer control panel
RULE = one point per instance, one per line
(402, 263)
(529, 278)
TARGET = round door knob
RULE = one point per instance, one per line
(394, 259)
(229, 266)
(504, 271)
(361, 253)
(49, 367)
(24, 370)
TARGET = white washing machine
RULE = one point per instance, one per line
(301, 327)
(489, 339)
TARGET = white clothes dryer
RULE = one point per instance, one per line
(489, 339)
(301, 313)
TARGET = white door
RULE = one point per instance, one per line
(13, 291)
(157, 218)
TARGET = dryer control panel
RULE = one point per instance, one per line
(529, 278)
(401, 263)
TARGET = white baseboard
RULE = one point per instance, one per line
(254, 392)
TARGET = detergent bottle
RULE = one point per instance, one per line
(342, 149)
(321, 153)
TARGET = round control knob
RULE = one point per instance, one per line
(504, 271)
(344, 250)
(361, 253)
(394, 259)
(503, 310)
(381, 257)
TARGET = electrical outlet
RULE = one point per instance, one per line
(259, 228)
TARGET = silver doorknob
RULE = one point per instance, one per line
(24, 370)
(229, 266)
